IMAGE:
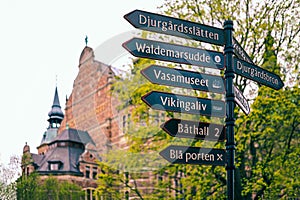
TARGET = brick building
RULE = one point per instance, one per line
(89, 127)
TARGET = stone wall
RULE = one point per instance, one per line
(91, 106)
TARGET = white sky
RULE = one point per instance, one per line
(42, 39)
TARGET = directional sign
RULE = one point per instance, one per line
(184, 104)
(241, 100)
(177, 27)
(195, 130)
(194, 155)
(183, 78)
(174, 53)
(240, 52)
(257, 74)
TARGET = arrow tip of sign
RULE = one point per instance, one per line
(162, 125)
(281, 84)
(162, 153)
(127, 17)
(130, 17)
(144, 98)
(124, 45)
(148, 94)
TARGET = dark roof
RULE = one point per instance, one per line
(65, 150)
(56, 111)
(74, 135)
(37, 158)
(49, 136)
(56, 99)
(67, 156)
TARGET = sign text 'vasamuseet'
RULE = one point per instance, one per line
(184, 79)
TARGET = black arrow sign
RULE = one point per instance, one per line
(177, 27)
(174, 53)
(184, 104)
(241, 100)
(195, 130)
(194, 155)
(183, 78)
(240, 52)
(257, 74)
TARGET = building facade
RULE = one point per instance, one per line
(89, 126)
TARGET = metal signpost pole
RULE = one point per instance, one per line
(229, 75)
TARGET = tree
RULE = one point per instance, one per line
(269, 144)
(267, 150)
(269, 31)
(119, 166)
(8, 175)
(28, 187)
(109, 183)
(267, 140)
(32, 187)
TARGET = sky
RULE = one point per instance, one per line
(40, 45)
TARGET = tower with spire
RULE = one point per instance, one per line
(68, 155)
(55, 114)
(55, 118)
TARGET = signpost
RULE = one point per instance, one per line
(194, 155)
(230, 120)
(240, 52)
(241, 100)
(184, 104)
(241, 65)
(184, 79)
(177, 27)
(257, 74)
(174, 53)
(195, 130)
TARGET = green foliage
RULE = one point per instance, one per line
(28, 187)
(130, 89)
(254, 22)
(108, 183)
(190, 181)
(114, 183)
(268, 148)
(69, 190)
(267, 140)
(31, 187)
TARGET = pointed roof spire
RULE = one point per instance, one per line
(55, 118)
(56, 99)
(56, 111)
